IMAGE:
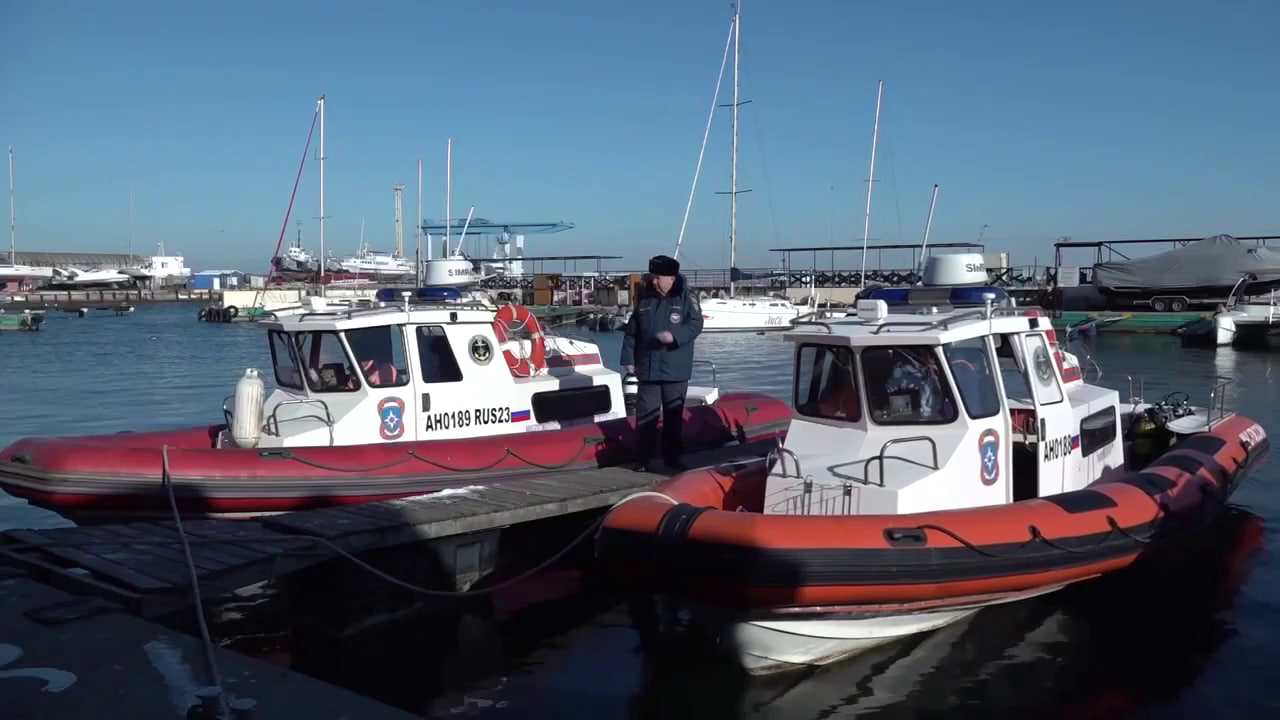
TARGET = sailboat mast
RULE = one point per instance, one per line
(733, 163)
(448, 198)
(928, 223)
(417, 223)
(871, 179)
(321, 218)
(13, 232)
(130, 258)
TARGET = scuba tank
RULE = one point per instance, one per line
(1144, 432)
(630, 391)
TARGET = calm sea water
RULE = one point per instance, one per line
(1197, 636)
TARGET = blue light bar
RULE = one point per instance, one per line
(970, 296)
(429, 294)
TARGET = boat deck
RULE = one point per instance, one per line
(142, 567)
(65, 657)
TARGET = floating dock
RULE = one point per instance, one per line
(109, 300)
(67, 657)
(141, 565)
(1131, 322)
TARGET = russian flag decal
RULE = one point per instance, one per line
(519, 415)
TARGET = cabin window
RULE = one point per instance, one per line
(907, 386)
(325, 363)
(826, 384)
(1044, 372)
(286, 365)
(380, 355)
(975, 380)
(1097, 431)
(439, 364)
(1011, 367)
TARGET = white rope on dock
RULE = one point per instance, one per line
(646, 493)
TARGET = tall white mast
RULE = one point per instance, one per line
(322, 216)
(13, 233)
(871, 179)
(733, 162)
(398, 190)
(130, 258)
(417, 223)
(448, 198)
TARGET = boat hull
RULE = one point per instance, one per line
(122, 473)
(813, 589)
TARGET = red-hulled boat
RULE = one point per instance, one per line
(373, 404)
(938, 463)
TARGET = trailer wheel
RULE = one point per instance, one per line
(1159, 305)
(1178, 305)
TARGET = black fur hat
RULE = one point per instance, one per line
(664, 265)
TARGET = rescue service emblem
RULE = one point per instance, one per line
(481, 350)
(1043, 365)
(989, 456)
(676, 317)
(391, 418)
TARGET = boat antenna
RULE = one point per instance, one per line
(706, 132)
(928, 223)
(463, 236)
(733, 153)
(866, 221)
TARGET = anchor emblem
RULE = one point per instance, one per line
(55, 680)
(481, 350)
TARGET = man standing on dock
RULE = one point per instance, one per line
(657, 347)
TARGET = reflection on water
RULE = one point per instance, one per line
(1174, 640)
(1099, 649)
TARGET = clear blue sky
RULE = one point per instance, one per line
(1095, 119)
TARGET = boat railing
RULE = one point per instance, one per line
(945, 323)
(881, 456)
(1136, 399)
(353, 312)
(715, 381)
(272, 425)
(781, 453)
(1218, 402)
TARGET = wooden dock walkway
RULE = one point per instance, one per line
(141, 565)
(64, 657)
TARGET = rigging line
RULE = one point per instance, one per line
(292, 196)
(706, 133)
(757, 137)
(893, 181)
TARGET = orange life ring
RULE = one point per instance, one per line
(511, 318)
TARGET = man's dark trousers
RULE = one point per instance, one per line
(667, 399)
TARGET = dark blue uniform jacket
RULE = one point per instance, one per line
(678, 313)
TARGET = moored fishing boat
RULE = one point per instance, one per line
(396, 400)
(943, 458)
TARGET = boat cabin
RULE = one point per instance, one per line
(432, 366)
(931, 398)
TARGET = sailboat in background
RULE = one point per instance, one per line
(741, 314)
(11, 270)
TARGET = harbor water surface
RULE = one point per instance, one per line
(1196, 636)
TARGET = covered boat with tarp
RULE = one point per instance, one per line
(1202, 270)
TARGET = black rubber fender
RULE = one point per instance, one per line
(232, 312)
(203, 314)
